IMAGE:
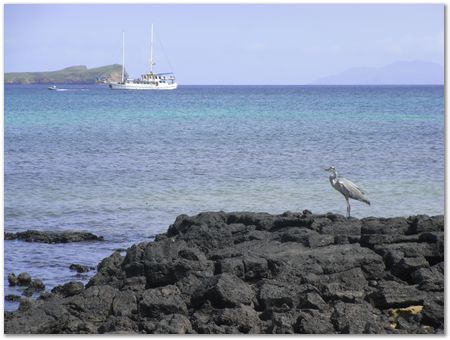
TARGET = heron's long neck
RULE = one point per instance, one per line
(333, 176)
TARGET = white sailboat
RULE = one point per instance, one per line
(148, 81)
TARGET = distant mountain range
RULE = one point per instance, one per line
(74, 74)
(398, 73)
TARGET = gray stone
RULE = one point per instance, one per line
(12, 279)
(163, 300)
(52, 237)
(313, 322)
(351, 318)
(69, 289)
(230, 291)
(24, 279)
(391, 294)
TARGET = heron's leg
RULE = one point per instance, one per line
(348, 207)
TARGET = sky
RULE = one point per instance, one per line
(223, 44)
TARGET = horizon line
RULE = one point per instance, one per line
(311, 85)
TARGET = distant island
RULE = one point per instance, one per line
(398, 73)
(73, 75)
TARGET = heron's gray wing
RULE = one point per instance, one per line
(350, 184)
(352, 189)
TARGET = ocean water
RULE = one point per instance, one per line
(124, 164)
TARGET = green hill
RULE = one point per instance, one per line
(73, 74)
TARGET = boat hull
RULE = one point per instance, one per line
(137, 86)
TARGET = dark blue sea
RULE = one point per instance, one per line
(124, 164)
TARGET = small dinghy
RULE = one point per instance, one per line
(52, 87)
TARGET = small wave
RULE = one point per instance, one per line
(11, 214)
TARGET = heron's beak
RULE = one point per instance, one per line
(327, 169)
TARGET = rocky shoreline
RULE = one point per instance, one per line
(52, 237)
(248, 272)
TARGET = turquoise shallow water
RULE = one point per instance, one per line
(125, 164)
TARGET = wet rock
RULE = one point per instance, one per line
(52, 237)
(12, 279)
(35, 285)
(12, 298)
(69, 289)
(24, 279)
(79, 268)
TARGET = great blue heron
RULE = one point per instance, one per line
(346, 188)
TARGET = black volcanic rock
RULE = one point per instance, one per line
(79, 268)
(69, 289)
(24, 279)
(161, 301)
(12, 279)
(35, 285)
(243, 272)
(12, 297)
(52, 237)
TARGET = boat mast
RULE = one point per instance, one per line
(123, 55)
(151, 50)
